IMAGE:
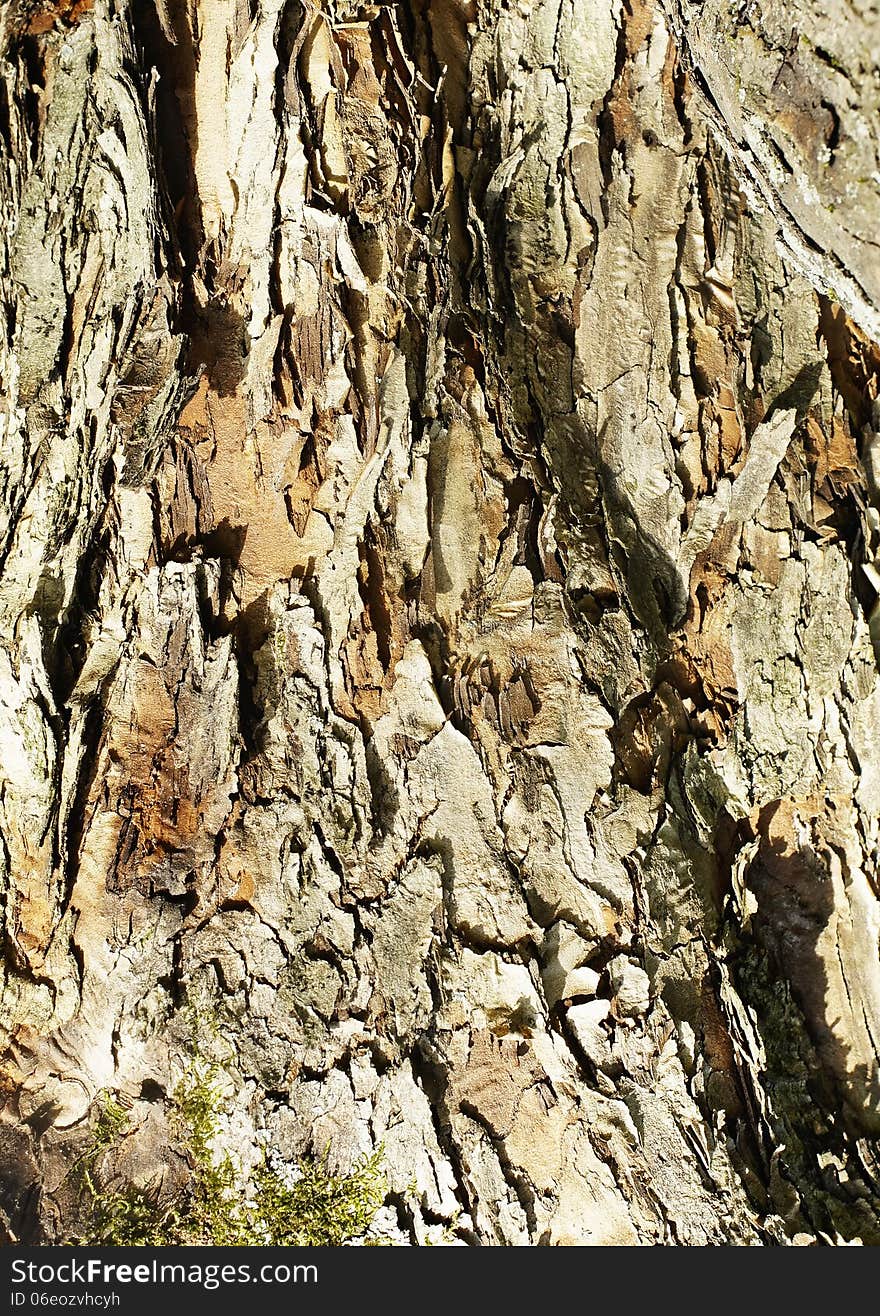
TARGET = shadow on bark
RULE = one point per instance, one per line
(819, 1098)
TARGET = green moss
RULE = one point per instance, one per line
(124, 1217)
(317, 1208)
(304, 1206)
(132, 1217)
(110, 1125)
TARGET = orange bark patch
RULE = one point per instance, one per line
(648, 733)
(719, 1052)
(51, 12)
(637, 24)
(833, 453)
(147, 808)
(33, 901)
(709, 357)
(376, 637)
(262, 484)
(853, 359)
(703, 670)
(638, 20)
(731, 431)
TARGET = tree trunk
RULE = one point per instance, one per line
(441, 484)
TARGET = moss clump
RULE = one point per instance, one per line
(126, 1217)
(110, 1125)
(131, 1217)
(316, 1208)
(304, 1206)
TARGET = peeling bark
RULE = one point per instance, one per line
(439, 598)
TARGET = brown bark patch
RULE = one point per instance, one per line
(51, 12)
(853, 359)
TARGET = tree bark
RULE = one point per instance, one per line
(438, 593)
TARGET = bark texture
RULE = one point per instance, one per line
(438, 604)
